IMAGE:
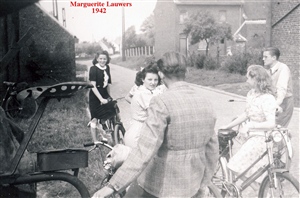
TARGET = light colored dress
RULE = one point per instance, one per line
(139, 105)
(259, 108)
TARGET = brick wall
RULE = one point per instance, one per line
(286, 36)
(286, 32)
(49, 53)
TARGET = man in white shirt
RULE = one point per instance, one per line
(282, 82)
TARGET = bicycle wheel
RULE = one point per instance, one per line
(288, 186)
(281, 154)
(17, 109)
(119, 134)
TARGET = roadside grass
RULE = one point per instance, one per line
(63, 126)
(212, 78)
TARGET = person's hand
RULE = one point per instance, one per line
(104, 101)
(118, 155)
(223, 127)
(103, 192)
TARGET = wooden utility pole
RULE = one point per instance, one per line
(123, 35)
(64, 17)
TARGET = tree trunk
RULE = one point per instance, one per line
(207, 46)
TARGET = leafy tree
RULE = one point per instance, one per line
(148, 28)
(202, 26)
(130, 37)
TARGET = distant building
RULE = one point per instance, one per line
(106, 47)
(170, 15)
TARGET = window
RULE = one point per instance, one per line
(222, 16)
(183, 16)
(202, 45)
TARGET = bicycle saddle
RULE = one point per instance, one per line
(61, 90)
(227, 133)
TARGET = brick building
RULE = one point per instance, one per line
(285, 32)
(170, 15)
(45, 49)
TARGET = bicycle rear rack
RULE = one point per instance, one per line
(58, 91)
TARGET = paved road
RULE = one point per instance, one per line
(123, 80)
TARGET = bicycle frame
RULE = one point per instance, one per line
(12, 178)
(270, 168)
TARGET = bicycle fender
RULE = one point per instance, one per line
(288, 145)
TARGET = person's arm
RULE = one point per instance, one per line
(241, 118)
(282, 84)
(152, 135)
(211, 156)
(130, 94)
(128, 98)
(108, 89)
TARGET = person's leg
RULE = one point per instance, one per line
(283, 119)
(93, 126)
(136, 191)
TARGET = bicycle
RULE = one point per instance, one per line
(51, 165)
(110, 170)
(114, 126)
(15, 106)
(277, 182)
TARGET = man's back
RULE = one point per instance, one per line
(189, 150)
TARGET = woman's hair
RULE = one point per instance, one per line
(172, 65)
(141, 75)
(97, 56)
(262, 78)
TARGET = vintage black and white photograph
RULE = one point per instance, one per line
(149, 98)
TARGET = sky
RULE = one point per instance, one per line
(89, 26)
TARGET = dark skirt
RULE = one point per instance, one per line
(98, 110)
